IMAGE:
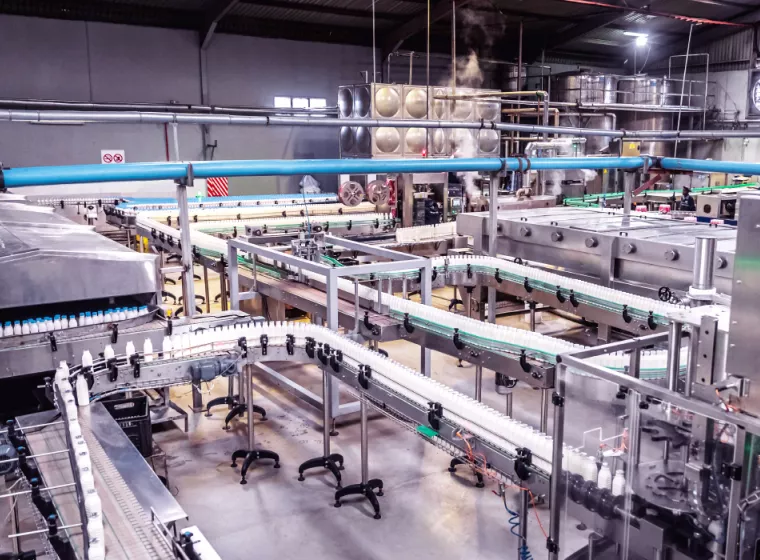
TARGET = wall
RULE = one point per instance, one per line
(99, 62)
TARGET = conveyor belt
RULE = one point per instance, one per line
(129, 533)
(509, 340)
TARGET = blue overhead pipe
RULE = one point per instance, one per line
(58, 175)
(710, 166)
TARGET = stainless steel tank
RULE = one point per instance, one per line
(646, 90)
(584, 87)
(630, 120)
(594, 144)
(512, 84)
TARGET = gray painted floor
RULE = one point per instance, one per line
(426, 511)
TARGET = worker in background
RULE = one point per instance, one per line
(687, 204)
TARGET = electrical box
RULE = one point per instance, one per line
(630, 149)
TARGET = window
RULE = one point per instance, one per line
(281, 102)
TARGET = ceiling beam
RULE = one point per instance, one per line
(440, 10)
(708, 35)
(295, 30)
(584, 27)
(212, 17)
(331, 10)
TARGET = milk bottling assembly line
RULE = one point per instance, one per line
(646, 439)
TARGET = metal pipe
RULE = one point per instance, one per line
(522, 542)
(732, 523)
(675, 332)
(51, 104)
(453, 45)
(508, 403)
(555, 498)
(56, 175)
(364, 441)
(544, 423)
(188, 283)
(704, 263)
(248, 384)
(135, 117)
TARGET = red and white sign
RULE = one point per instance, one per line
(217, 186)
(112, 156)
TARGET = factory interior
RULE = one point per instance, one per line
(380, 279)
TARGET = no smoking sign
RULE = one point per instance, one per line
(112, 156)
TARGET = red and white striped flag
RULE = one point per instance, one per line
(217, 186)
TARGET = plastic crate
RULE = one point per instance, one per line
(133, 416)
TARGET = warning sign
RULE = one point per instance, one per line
(112, 156)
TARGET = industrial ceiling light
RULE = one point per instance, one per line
(641, 38)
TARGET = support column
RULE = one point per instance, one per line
(188, 284)
(558, 399)
(426, 297)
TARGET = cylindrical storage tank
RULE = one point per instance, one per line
(512, 84)
(594, 144)
(644, 90)
(584, 87)
(629, 120)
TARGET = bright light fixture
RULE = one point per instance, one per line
(641, 40)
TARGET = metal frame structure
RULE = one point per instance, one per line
(398, 261)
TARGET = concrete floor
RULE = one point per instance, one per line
(426, 511)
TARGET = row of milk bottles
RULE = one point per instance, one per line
(83, 463)
(578, 462)
(63, 322)
(580, 287)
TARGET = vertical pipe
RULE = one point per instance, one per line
(374, 50)
(188, 284)
(691, 367)
(735, 494)
(704, 263)
(411, 66)
(175, 140)
(522, 544)
(478, 383)
(246, 381)
(454, 45)
(232, 273)
(357, 311)
(634, 428)
(223, 286)
(205, 287)
(627, 194)
(426, 298)
(556, 477)
(532, 307)
(508, 403)
(493, 229)
(675, 330)
(634, 366)
(330, 394)
(544, 425)
(364, 440)
(519, 68)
